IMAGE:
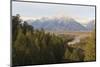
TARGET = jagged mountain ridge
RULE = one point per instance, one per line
(59, 24)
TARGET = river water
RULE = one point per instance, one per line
(76, 40)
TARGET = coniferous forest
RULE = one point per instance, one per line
(36, 46)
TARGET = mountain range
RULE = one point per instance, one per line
(91, 25)
(61, 24)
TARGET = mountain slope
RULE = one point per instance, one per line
(91, 25)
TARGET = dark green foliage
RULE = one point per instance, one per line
(74, 54)
(15, 25)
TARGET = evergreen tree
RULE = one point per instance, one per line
(19, 48)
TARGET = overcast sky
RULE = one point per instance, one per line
(36, 10)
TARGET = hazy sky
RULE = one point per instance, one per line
(37, 10)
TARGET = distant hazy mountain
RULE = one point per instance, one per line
(59, 24)
(91, 25)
